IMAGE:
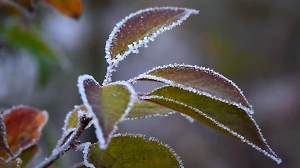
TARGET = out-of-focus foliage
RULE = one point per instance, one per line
(18, 37)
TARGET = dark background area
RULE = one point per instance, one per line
(255, 43)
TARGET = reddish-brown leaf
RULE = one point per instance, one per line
(4, 149)
(199, 79)
(139, 28)
(71, 8)
(23, 127)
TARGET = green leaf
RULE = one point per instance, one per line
(139, 28)
(28, 154)
(12, 164)
(224, 117)
(71, 120)
(132, 151)
(144, 109)
(200, 79)
(107, 105)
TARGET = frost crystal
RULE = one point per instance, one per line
(85, 155)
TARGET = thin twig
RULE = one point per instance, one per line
(57, 152)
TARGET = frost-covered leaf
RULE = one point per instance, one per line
(130, 151)
(219, 115)
(203, 80)
(12, 164)
(71, 8)
(23, 127)
(5, 151)
(107, 105)
(28, 154)
(139, 28)
(71, 120)
(144, 109)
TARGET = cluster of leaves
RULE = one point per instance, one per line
(196, 92)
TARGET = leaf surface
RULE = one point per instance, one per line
(12, 164)
(107, 105)
(139, 28)
(130, 151)
(71, 120)
(144, 109)
(199, 79)
(28, 154)
(5, 151)
(224, 117)
(28, 129)
(71, 8)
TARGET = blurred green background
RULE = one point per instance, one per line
(255, 43)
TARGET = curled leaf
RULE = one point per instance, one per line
(224, 117)
(28, 129)
(139, 28)
(199, 79)
(107, 105)
(127, 151)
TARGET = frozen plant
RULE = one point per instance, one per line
(198, 93)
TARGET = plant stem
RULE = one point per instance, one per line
(66, 146)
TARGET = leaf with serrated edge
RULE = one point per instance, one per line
(5, 151)
(28, 130)
(205, 81)
(145, 109)
(107, 105)
(128, 150)
(138, 29)
(218, 115)
(12, 164)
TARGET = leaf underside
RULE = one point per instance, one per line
(132, 151)
(226, 118)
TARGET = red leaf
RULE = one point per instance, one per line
(23, 127)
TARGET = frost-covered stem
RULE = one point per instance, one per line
(57, 152)
(109, 71)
